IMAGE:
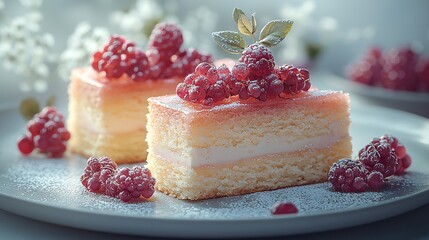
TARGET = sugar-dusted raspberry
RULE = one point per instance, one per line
(218, 91)
(138, 66)
(403, 164)
(127, 184)
(258, 59)
(399, 148)
(404, 160)
(47, 133)
(196, 93)
(167, 38)
(203, 68)
(379, 156)
(114, 58)
(367, 69)
(295, 79)
(96, 173)
(206, 85)
(185, 62)
(348, 175)
(276, 86)
(399, 71)
(235, 86)
(240, 71)
(375, 180)
(422, 69)
(284, 208)
(224, 70)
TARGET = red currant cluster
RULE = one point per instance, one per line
(398, 69)
(380, 159)
(254, 76)
(47, 133)
(102, 176)
(163, 58)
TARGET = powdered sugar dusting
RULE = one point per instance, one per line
(57, 183)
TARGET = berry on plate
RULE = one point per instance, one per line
(46, 133)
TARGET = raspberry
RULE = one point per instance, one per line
(217, 91)
(375, 180)
(114, 58)
(196, 93)
(403, 164)
(367, 69)
(399, 71)
(25, 145)
(127, 184)
(224, 70)
(167, 39)
(138, 66)
(423, 74)
(276, 86)
(97, 172)
(203, 68)
(254, 89)
(185, 63)
(240, 71)
(348, 175)
(46, 133)
(404, 160)
(399, 148)
(295, 80)
(378, 155)
(258, 59)
(284, 208)
(206, 85)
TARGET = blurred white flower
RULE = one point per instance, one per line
(25, 50)
(31, 4)
(196, 24)
(84, 41)
(197, 28)
(1, 6)
(135, 22)
(309, 35)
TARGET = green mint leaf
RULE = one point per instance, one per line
(51, 101)
(236, 13)
(244, 25)
(28, 108)
(274, 32)
(230, 41)
(254, 26)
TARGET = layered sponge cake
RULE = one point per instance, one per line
(108, 118)
(244, 146)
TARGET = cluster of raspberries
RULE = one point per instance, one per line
(380, 159)
(398, 69)
(254, 76)
(46, 133)
(163, 58)
(102, 176)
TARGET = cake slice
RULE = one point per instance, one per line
(244, 146)
(108, 118)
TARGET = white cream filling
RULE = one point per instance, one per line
(269, 145)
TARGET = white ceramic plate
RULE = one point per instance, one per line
(50, 190)
(414, 102)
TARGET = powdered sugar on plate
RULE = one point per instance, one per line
(57, 183)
